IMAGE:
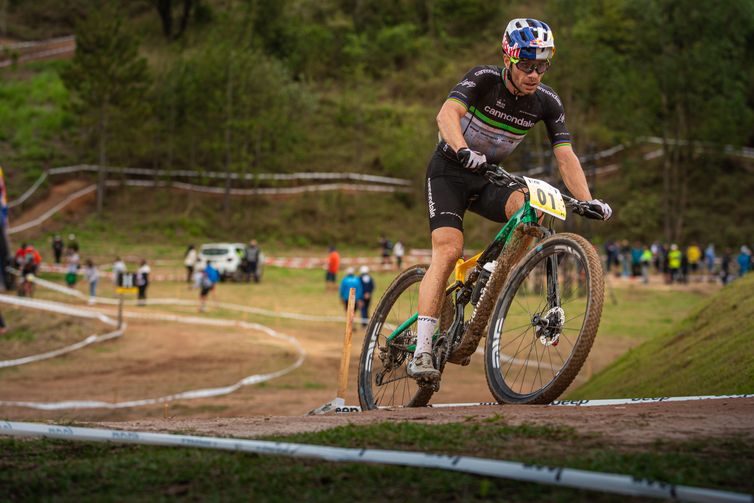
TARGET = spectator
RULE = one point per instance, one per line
(57, 247)
(387, 247)
(3, 328)
(213, 274)
(398, 252)
(636, 253)
(367, 287)
(684, 268)
(189, 260)
(73, 263)
(694, 256)
(646, 264)
(725, 266)
(744, 261)
(674, 263)
(119, 269)
(73, 244)
(18, 258)
(92, 275)
(611, 252)
(351, 281)
(709, 260)
(31, 260)
(142, 282)
(333, 264)
(252, 261)
(625, 258)
(207, 281)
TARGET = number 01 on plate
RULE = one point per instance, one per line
(546, 198)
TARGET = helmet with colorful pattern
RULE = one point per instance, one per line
(528, 39)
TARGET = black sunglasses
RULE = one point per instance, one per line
(529, 65)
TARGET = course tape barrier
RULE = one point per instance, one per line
(190, 303)
(326, 187)
(346, 409)
(556, 476)
(360, 177)
(49, 213)
(341, 187)
(26, 195)
(186, 395)
(61, 309)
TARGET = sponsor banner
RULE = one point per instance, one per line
(551, 475)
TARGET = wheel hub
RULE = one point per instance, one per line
(548, 326)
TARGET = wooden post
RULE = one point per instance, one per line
(345, 359)
(120, 311)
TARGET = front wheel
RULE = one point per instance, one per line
(545, 321)
(383, 379)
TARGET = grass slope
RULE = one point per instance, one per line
(43, 469)
(710, 352)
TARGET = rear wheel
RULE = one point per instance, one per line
(383, 379)
(545, 321)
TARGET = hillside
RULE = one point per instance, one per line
(708, 353)
(298, 85)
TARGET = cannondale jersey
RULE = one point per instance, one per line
(496, 120)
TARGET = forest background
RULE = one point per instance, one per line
(261, 86)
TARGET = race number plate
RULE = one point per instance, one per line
(546, 198)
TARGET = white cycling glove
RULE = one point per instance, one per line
(471, 159)
(602, 207)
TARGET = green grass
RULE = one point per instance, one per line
(642, 313)
(32, 119)
(51, 469)
(709, 352)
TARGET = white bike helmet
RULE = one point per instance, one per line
(528, 39)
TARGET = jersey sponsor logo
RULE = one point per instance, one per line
(468, 83)
(561, 119)
(430, 202)
(486, 70)
(550, 94)
(500, 104)
(519, 121)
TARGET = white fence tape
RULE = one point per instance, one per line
(570, 403)
(190, 303)
(556, 476)
(37, 43)
(186, 395)
(49, 213)
(26, 195)
(360, 177)
(61, 309)
(327, 187)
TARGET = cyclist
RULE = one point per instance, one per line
(484, 118)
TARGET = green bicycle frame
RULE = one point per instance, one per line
(525, 215)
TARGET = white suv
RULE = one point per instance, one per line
(225, 257)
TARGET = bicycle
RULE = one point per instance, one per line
(539, 306)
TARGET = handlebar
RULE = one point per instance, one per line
(499, 176)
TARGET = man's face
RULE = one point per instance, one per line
(526, 83)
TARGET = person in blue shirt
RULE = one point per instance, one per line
(212, 273)
(210, 276)
(367, 285)
(348, 282)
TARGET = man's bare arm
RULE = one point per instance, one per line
(449, 122)
(572, 173)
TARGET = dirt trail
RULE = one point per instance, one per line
(628, 424)
(56, 194)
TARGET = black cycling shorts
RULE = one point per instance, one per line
(451, 189)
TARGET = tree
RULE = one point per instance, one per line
(165, 11)
(108, 81)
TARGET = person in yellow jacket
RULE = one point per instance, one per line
(694, 256)
(675, 257)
